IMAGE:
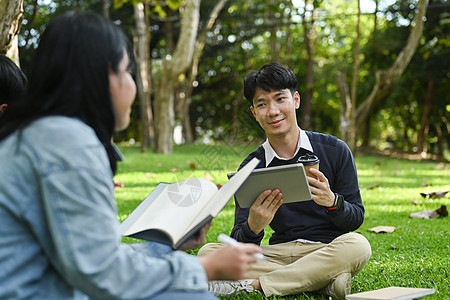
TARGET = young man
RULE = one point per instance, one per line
(312, 248)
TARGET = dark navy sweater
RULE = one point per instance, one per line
(308, 220)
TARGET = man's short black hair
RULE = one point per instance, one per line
(271, 76)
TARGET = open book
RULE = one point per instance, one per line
(173, 212)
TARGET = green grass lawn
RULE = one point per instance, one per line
(416, 254)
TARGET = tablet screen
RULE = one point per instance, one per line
(289, 179)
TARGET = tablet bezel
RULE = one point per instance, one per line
(289, 179)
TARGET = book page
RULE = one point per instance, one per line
(392, 293)
(174, 208)
(129, 221)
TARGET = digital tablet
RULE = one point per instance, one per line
(289, 179)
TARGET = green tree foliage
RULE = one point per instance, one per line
(37, 14)
(241, 45)
(398, 121)
(243, 39)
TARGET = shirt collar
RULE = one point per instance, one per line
(303, 142)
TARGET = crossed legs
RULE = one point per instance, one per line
(296, 267)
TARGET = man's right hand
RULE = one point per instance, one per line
(263, 210)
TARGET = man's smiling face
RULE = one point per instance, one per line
(275, 111)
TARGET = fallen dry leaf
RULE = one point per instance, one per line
(118, 184)
(378, 229)
(442, 211)
(426, 184)
(193, 166)
(150, 175)
(414, 202)
(440, 166)
(174, 170)
(434, 195)
(427, 214)
(372, 187)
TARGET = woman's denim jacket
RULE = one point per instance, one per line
(59, 233)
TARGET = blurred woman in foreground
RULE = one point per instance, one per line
(60, 236)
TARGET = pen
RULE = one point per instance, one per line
(223, 238)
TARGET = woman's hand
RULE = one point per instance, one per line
(197, 239)
(230, 262)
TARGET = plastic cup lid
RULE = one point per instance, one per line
(308, 159)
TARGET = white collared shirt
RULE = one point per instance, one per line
(303, 142)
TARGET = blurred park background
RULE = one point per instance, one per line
(375, 73)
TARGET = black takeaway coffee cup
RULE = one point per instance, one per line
(309, 161)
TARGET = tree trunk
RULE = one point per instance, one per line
(440, 137)
(366, 134)
(179, 62)
(306, 102)
(386, 80)
(11, 15)
(289, 38)
(273, 41)
(440, 134)
(425, 120)
(188, 88)
(236, 125)
(346, 103)
(352, 126)
(143, 79)
(235, 122)
(105, 8)
(185, 117)
(366, 129)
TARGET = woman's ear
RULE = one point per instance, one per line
(3, 108)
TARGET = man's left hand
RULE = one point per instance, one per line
(320, 188)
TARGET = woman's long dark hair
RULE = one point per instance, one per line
(13, 82)
(70, 76)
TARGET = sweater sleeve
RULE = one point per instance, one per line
(241, 232)
(350, 215)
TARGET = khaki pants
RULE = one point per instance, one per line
(297, 267)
